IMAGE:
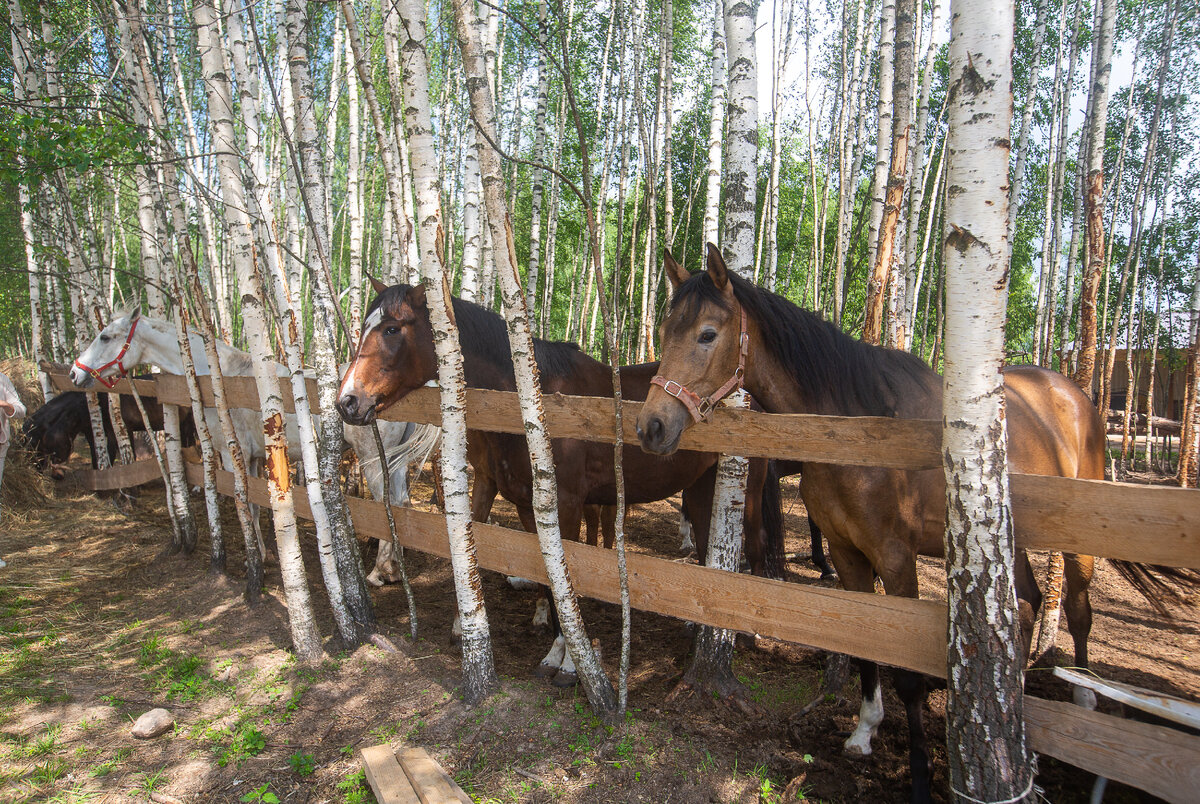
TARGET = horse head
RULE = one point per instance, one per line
(703, 347)
(395, 353)
(106, 357)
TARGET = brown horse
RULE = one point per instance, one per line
(396, 356)
(877, 520)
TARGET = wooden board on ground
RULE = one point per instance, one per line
(431, 782)
(388, 780)
(1163, 762)
(409, 776)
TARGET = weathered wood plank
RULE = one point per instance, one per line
(432, 783)
(121, 476)
(858, 441)
(1164, 762)
(388, 780)
(896, 631)
(1152, 524)
(1167, 707)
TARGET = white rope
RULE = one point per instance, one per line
(1013, 800)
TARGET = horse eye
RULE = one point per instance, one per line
(392, 330)
(708, 336)
(104, 339)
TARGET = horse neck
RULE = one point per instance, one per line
(160, 345)
(770, 383)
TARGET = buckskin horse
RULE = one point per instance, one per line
(722, 331)
(396, 356)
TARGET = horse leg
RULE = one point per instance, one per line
(483, 495)
(697, 504)
(256, 467)
(754, 540)
(897, 567)
(608, 524)
(858, 576)
(591, 517)
(818, 552)
(1029, 600)
(910, 686)
(686, 543)
(1077, 572)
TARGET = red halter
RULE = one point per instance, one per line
(116, 361)
(702, 407)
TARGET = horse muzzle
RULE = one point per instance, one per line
(355, 410)
(657, 437)
(81, 378)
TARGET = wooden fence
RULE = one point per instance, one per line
(1150, 524)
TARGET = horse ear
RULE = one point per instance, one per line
(717, 271)
(675, 272)
(376, 285)
(416, 296)
(135, 313)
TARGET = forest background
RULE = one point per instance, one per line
(648, 81)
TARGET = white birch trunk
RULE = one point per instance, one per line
(988, 757)
(712, 195)
(305, 637)
(479, 673)
(545, 492)
(741, 164)
(883, 143)
(326, 317)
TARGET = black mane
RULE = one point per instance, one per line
(485, 334)
(834, 371)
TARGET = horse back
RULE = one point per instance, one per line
(1053, 428)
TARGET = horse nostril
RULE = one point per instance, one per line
(654, 431)
(348, 404)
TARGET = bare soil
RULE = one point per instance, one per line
(97, 627)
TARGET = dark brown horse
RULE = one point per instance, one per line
(396, 356)
(877, 520)
(50, 431)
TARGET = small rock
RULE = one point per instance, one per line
(152, 724)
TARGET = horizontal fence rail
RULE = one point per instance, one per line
(1150, 524)
(1141, 523)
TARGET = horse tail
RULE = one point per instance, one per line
(772, 522)
(1158, 584)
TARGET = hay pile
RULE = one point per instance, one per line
(24, 486)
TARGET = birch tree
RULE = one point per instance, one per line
(988, 757)
(1097, 115)
(596, 685)
(716, 125)
(741, 159)
(898, 172)
(305, 637)
(479, 672)
(326, 317)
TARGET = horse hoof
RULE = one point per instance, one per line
(522, 584)
(829, 576)
(374, 579)
(565, 679)
(544, 670)
(857, 749)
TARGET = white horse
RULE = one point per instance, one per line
(133, 339)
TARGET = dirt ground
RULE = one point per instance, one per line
(96, 627)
